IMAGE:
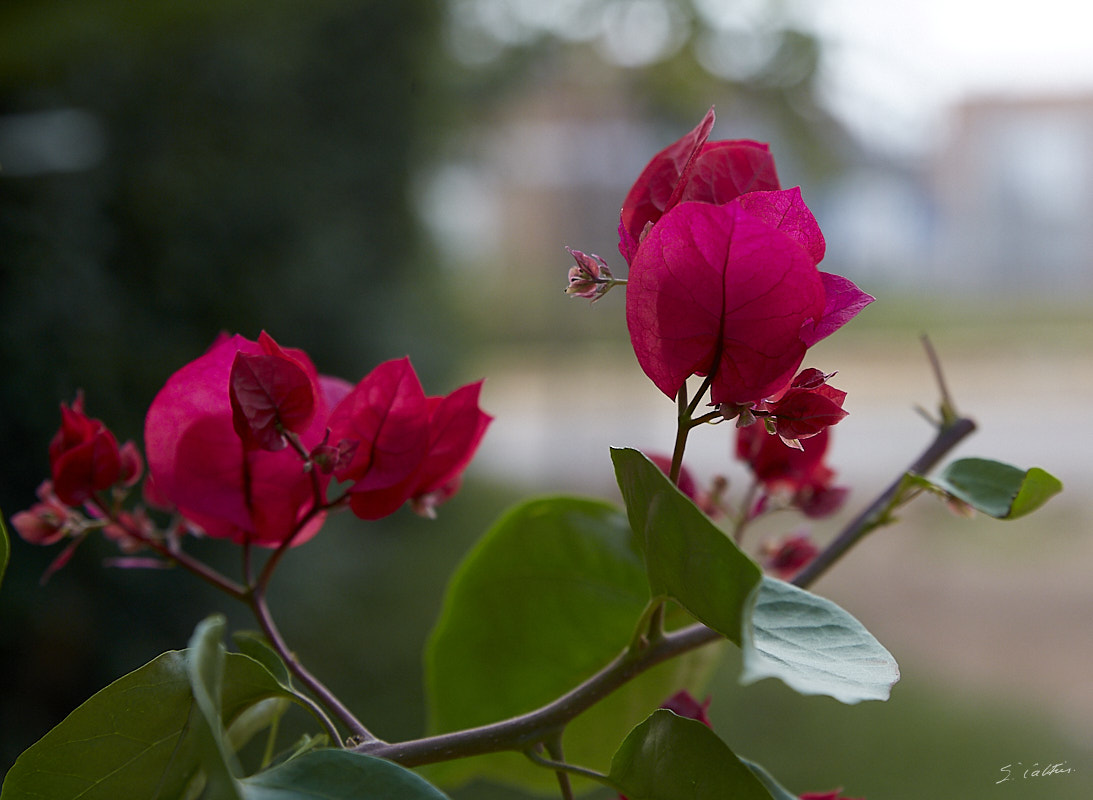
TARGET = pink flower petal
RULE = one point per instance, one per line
(725, 170)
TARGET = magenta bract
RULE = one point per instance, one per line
(270, 394)
(691, 169)
(843, 302)
(83, 456)
(807, 407)
(799, 475)
(410, 447)
(199, 463)
(718, 290)
(387, 414)
(787, 557)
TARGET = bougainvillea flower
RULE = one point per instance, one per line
(785, 558)
(270, 394)
(200, 465)
(684, 705)
(591, 278)
(718, 290)
(808, 406)
(47, 521)
(801, 475)
(835, 795)
(456, 427)
(84, 457)
(693, 169)
(409, 446)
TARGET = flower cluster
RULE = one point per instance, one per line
(724, 283)
(250, 443)
(795, 477)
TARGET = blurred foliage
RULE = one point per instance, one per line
(254, 173)
(252, 165)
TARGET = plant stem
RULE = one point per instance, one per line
(522, 732)
(526, 730)
(684, 423)
(554, 747)
(875, 515)
(184, 560)
(558, 765)
(317, 688)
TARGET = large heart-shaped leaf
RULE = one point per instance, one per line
(668, 757)
(814, 646)
(548, 597)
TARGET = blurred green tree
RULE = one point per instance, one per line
(172, 169)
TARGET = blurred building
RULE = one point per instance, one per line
(1014, 190)
(1001, 205)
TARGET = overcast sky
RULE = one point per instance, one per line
(892, 68)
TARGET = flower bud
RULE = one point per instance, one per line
(787, 557)
(83, 456)
(46, 522)
(591, 278)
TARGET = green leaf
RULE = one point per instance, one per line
(998, 490)
(548, 597)
(814, 647)
(5, 548)
(136, 737)
(338, 775)
(777, 791)
(205, 667)
(668, 757)
(687, 557)
(257, 646)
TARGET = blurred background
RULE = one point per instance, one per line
(370, 179)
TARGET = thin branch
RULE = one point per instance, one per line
(557, 755)
(316, 687)
(184, 560)
(563, 767)
(522, 732)
(876, 514)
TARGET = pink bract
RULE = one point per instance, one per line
(719, 290)
(691, 169)
(199, 463)
(778, 466)
(807, 407)
(270, 394)
(411, 447)
(83, 456)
